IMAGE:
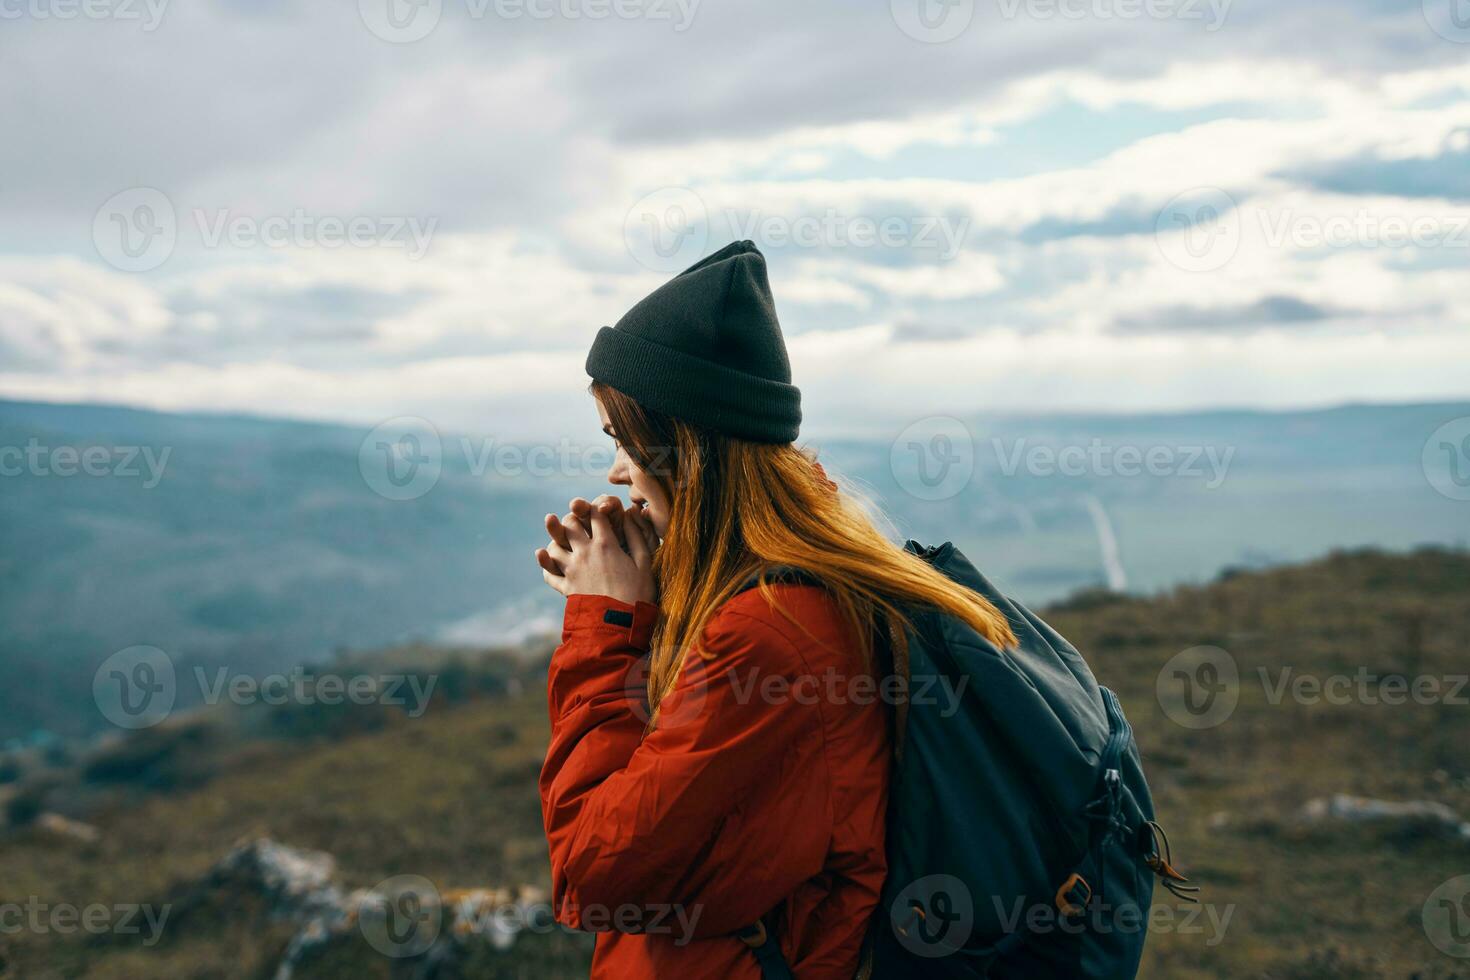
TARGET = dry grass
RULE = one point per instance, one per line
(452, 797)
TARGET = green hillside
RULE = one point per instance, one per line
(451, 796)
(264, 544)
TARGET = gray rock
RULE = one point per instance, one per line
(1343, 807)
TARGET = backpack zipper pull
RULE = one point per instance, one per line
(1159, 861)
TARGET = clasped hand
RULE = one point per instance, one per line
(600, 548)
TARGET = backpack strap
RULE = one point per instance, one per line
(782, 574)
(865, 958)
(767, 951)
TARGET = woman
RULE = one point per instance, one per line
(719, 756)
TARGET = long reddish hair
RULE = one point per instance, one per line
(739, 508)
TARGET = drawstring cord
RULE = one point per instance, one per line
(1162, 864)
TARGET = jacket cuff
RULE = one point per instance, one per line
(629, 623)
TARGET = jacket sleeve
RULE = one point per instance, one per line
(628, 817)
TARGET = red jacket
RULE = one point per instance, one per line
(764, 784)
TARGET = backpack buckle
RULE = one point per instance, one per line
(1073, 896)
(754, 936)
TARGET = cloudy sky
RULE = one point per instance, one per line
(361, 209)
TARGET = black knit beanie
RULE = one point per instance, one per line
(706, 347)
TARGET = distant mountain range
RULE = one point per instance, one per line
(262, 543)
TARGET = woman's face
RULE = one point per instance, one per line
(642, 488)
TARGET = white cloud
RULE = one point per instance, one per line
(528, 147)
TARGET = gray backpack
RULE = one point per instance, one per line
(1021, 835)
